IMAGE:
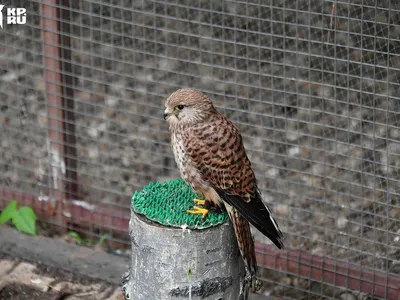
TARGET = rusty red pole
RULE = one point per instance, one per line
(61, 130)
(68, 102)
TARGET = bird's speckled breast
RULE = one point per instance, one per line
(179, 151)
(188, 172)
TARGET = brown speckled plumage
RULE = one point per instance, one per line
(211, 158)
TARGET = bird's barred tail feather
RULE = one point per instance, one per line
(246, 246)
(244, 238)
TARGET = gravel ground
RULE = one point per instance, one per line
(20, 280)
(320, 117)
(37, 267)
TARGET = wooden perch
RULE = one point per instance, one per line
(179, 263)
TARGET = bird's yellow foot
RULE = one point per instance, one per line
(196, 210)
(199, 201)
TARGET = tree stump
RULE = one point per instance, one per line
(186, 261)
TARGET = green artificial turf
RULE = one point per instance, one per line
(167, 202)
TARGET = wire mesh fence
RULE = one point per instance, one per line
(314, 87)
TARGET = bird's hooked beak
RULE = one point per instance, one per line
(167, 113)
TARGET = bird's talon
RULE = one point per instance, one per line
(199, 201)
(198, 211)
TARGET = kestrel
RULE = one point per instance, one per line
(211, 158)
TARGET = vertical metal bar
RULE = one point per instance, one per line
(52, 77)
(61, 138)
(68, 102)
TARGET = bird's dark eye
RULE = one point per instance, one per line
(180, 107)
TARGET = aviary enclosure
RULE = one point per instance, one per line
(314, 86)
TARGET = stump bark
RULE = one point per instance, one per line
(178, 263)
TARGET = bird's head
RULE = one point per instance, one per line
(187, 106)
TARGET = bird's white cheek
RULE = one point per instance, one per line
(172, 120)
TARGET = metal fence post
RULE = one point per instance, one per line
(61, 128)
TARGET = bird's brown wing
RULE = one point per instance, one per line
(216, 150)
